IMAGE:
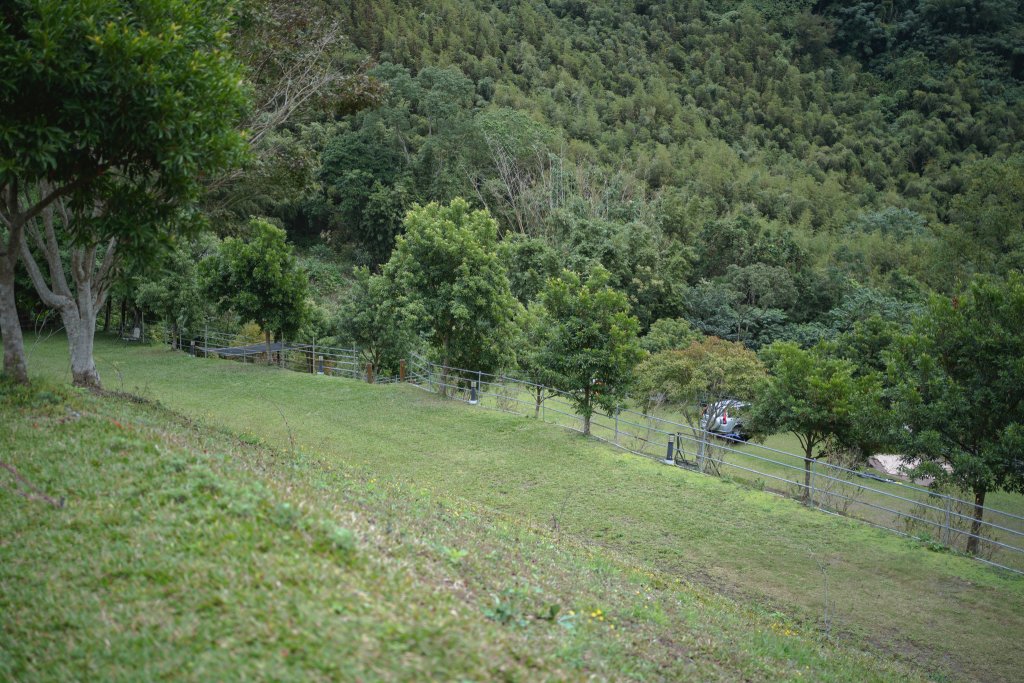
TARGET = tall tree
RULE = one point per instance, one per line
(259, 279)
(172, 288)
(959, 389)
(370, 317)
(592, 343)
(112, 106)
(452, 286)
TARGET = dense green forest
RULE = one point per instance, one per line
(767, 170)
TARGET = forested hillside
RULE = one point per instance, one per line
(766, 169)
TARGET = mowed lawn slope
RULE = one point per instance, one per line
(186, 554)
(947, 614)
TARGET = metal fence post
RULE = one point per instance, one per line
(948, 542)
(810, 492)
(616, 426)
(669, 454)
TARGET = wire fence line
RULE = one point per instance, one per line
(938, 519)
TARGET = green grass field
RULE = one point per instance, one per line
(772, 466)
(948, 615)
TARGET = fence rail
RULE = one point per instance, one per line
(902, 507)
(897, 506)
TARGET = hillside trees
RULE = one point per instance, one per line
(301, 69)
(816, 398)
(591, 341)
(258, 278)
(113, 109)
(447, 278)
(958, 382)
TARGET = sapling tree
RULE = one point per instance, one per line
(591, 346)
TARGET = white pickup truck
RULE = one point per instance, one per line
(725, 419)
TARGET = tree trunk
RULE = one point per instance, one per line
(124, 316)
(106, 316)
(15, 365)
(586, 411)
(536, 408)
(78, 305)
(266, 335)
(809, 451)
(80, 328)
(174, 336)
(979, 511)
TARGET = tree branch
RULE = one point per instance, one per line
(33, 492)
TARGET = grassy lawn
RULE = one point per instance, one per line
(947, 614)
(184, 553)
(772, 466)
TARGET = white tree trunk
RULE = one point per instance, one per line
(77, 306)
(81, 327)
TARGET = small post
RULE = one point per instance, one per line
(206, 341)
(948, 529)
(616, 426)
(401, 370)
(280, 354)
(369, 373)
(192, 348)
(313, 358)
(472, 394)
(810, 492)
(320, 365)
(669, 453)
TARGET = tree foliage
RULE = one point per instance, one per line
(694, 381)
(816, 398)
(118, 109)
(370, 317)
(452, 287)
(171, 288)
(958, 382)
(591, 343)
(259, 279)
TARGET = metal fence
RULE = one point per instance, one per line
(943, 520)
(908, 509)
(309, 358)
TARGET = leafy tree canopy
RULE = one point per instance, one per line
(591, 340)
(452, 286)
(258, 278)
(958, 381)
